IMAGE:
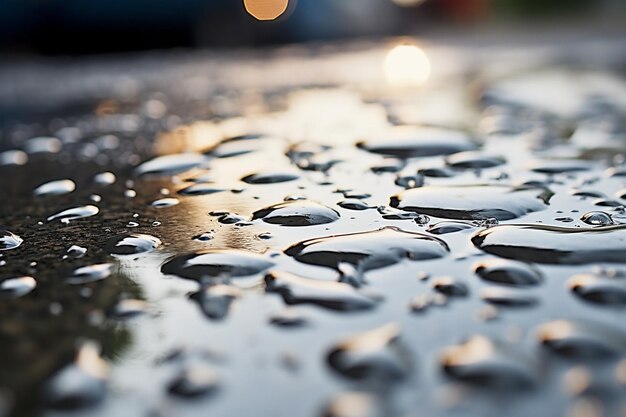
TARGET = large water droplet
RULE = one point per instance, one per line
(194, 381)
(560, 166)
(369, 250)
(80, 384)
(473, 202)
(582, 339)
(57, 187)
(215, 300)
(296, 213)
(600, 289)
(201, 189)
(328, 294)
(597, 218)
(376, 355)
(170, 164)
(486, 362)
(217, 263)
(132, 244)
(75, 213)
(503, 271)
(420, 142)
(9, 240)
(17, 287)
(270, 177)
(473, 160)
(554, 245)
(165, 202)
(89, 273)
(505, 297)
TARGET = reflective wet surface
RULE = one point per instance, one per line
(319, 247)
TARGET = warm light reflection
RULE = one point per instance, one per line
(407, 66)
(266, 9)
(408, 3)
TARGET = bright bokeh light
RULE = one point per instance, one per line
(406, 66)
(266, 9)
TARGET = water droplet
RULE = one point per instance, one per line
(450, 286)
(597, 218)
(194, 380)
(288, 318)
(505, 297)
(215, 301)
(582, 339)
(13, 157)
(600, 289)
(328, 294)
(200, 189)
(130, 193)
(443, 228)
(486, 362)
(472, 202)
(17, 287)
(503, 271)
(376, 355)
(218, 263)
(170, 164)
(437, 172)
(354, 204)
(9, 240)
(75, 251)
(553, 244)
(75, 213)
(230, 218)
(270, 177)
(89, 273)
(81, 383)
(371, 250)
(564, 219)
(560, 166)
(410, 143)
(296, 213)
(104, 178)
(43, 144)
(57, 187)
(165, 202)
(131, 244)
(409, 181)
(204, 237)
(473, 160)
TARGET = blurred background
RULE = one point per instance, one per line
(69, 27)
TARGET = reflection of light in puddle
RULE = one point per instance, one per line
(406, 66)
(266, 9)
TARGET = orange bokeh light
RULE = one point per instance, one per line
(266, 9)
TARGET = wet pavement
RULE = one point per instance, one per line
(184, 236)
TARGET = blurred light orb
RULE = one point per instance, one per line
(407, 3)
(407, 65)
(266, 9)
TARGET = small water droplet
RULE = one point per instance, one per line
(165, 202)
